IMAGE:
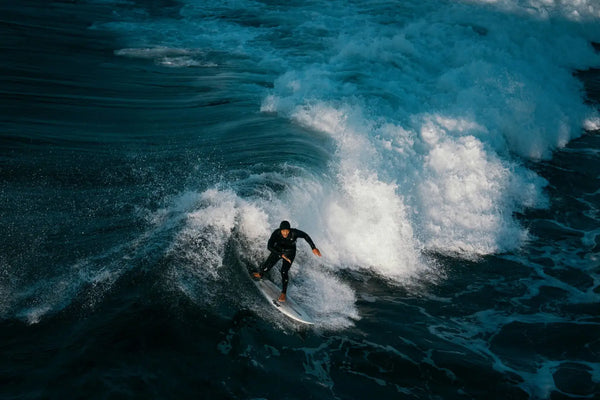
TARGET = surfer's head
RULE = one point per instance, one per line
(284, 228)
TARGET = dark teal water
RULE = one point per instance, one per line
(442, 155)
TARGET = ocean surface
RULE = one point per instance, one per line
(443, 155)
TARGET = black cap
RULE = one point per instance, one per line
(285, 225)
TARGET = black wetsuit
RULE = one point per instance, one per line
(280, 246)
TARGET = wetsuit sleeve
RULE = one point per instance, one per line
(305, 236)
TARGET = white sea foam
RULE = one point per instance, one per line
(364, 218)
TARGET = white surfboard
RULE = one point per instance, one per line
(288, 307)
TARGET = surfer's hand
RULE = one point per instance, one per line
(317, 252)
(285, 258)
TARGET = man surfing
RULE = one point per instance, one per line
(282, 245)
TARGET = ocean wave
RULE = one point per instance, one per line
(434, 112)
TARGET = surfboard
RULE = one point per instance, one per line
(289, 307)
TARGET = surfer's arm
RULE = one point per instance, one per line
(305, 236)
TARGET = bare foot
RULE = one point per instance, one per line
(282, 297)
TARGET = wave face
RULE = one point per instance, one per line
(441, 154)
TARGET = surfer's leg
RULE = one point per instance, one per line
(285, 267)
(269, 263)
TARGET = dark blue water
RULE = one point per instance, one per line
(444, 156)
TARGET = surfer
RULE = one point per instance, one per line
(282, 245)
